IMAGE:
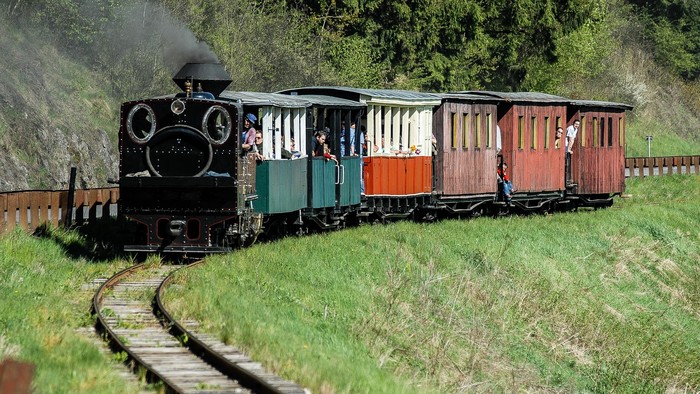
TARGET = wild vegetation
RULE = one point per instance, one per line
(643, 53)
(46, 292)
(592, 301)
(601, 300)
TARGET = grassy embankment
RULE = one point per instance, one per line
(482, 305)
(43, 306)
(666, 140)
(603, 300)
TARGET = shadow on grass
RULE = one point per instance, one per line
(97, 240)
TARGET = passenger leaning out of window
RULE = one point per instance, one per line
(249, 137)
(319, 147)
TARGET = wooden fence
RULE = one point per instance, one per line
(30, 209)
(659, 166)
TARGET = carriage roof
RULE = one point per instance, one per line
(601, 104)
(288, 101)
(468, 97)
(530, 97)
(372, 96)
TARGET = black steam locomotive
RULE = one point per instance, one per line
(182, 179)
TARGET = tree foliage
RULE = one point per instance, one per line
(673, 28)
(436, 45)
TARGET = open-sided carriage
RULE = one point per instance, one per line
(393, 147)
(296, 190)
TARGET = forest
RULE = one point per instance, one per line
(431, 45)
(645, 53)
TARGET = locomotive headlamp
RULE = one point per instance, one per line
(178, 107)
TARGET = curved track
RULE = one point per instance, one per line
(129, 310)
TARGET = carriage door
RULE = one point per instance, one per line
(350, 158)
(324, 174)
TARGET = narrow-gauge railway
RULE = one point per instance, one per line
(202, 364)
(209, 170)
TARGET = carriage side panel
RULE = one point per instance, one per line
(597, 162)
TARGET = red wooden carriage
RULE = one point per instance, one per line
(528, 122)
(464, 127)
(598, 158)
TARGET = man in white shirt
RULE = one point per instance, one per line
(571, 133)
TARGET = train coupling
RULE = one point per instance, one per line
(176, 228)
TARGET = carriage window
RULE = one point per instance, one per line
(583, 131)
(454, 129)
(521, 137)
(602, 131)
(558, 121)
(465, 131)
(610, 131)
(595, 132)
(477, 130)
(546, 132)
(489, 131)
(621, 130)
(533, 133)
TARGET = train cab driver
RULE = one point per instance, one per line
(248, 124)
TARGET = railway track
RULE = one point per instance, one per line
(131, 316)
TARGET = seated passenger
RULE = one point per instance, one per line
(505, 184)
(379, 148)
(291, 154)
(258, 147)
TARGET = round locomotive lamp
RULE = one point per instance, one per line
(178, 107)
(141, 123)
(217, 125)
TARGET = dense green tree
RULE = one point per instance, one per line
(673, 28)
(453, 44)
(420, 44)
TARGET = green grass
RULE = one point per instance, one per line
(604, 300)
(43, 306)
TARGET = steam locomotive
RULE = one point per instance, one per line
(328, 157)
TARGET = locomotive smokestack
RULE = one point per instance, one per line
(211, 76)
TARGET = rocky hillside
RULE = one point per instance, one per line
(53, 115)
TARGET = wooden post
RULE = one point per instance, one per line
(677, 160)
(639, 164)
(12, 204)
(39, 208)
(3, 208)
(71, 197)
(660, 162)
(23, 204)
(629, 165)
(55, 201)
